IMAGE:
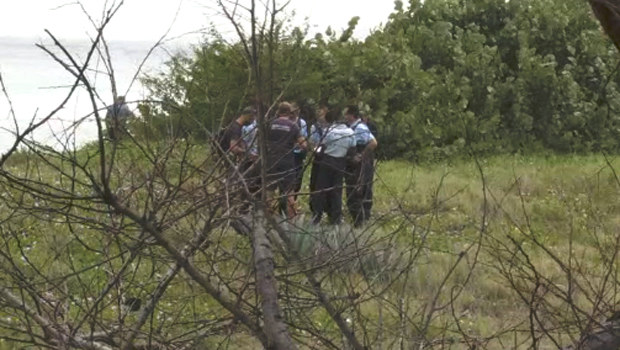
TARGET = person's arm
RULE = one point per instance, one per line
(369, 140)
(304, 128)
(301, 141)
(371, 146)
(315, 137)
(299, 137)
(237, 146)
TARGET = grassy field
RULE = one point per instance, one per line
(547, 229)
(496, 252)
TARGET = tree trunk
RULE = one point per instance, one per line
(276, 330)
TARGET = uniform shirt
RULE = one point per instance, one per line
(338, 139)
(362, 134)
(282, 136)
(303, 131)
(119, 111)
(317, 131)
(373, 128)
(250, 133)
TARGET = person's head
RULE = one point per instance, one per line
(364, 116)
(332, 116)
(322, 111)
(351, 114)
(294, 111)
(285, 110)
(247, 117)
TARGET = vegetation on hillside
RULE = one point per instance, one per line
(147, 242)
(439, 77)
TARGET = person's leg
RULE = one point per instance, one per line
(291, 203)
(271, 195)
(335, 194)
(354, 195)
(321, 192)
(312, 184)
(316, 198)
(367, 177)
(286, 184)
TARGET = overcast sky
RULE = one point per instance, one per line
(149, 19)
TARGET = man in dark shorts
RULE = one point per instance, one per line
(282, 137)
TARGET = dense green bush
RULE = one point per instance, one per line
(441, 78)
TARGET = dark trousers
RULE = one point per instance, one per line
(359, 179)
(327, 193)
(316, 162)
(299, 171)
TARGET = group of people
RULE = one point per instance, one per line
(341, 148)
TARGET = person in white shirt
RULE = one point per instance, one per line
(337, 143)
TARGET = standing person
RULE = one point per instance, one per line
(231, 145)
(116, 119)
(372, 126)
(298, 152)
(231, 140)
(337, 143)
(249, 166)
(316, 137)
(282, 136)
(360, 168)
(250, 137)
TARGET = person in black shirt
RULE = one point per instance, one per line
(231, 141)
(282, 137)
(231, 145)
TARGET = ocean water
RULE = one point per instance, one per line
(36, 85)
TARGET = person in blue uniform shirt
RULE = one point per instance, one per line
(116, 119)
(337, 142)
(360, 168)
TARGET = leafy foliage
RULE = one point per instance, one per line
(441, 78)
